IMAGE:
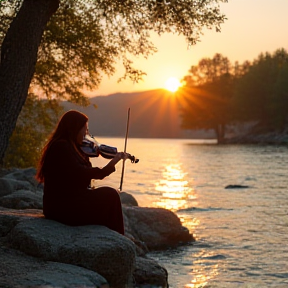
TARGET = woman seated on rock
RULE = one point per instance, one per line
(67, 172)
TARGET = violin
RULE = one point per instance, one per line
(92, 148)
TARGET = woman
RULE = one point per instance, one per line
(67, 172)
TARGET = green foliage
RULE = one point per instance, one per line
(85, 38)
(217, 94)
(279, 105)
(261, 93)
(207, 94)
(34, 124)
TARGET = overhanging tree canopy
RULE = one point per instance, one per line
(75, 42)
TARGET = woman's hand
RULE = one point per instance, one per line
(118, 156)
(121, 155)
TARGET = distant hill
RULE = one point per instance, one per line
(154, 114)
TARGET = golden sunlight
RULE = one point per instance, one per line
(172, 84)
(176, 191)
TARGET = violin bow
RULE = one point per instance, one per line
(125, 145)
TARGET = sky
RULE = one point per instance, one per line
(252, 27)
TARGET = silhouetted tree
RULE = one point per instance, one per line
(217, 94)
(207, 94)
(280, 107)
(261, 93)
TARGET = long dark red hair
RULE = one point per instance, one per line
(67, 128)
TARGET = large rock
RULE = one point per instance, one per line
(8, 186)
(20, 190)
(21, 271)
(22, 199)
(96, 248)
(158, 228)
(127, 199)
(26, 175)
(148, 273)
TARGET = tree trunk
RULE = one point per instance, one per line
(18, 58)
(220, 133)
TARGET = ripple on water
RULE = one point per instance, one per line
(198, 209)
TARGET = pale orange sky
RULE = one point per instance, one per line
(253, 26)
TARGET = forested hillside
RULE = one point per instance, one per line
(218, 94)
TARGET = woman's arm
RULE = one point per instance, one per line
(63, 160)
(119, 156)
(110, 167)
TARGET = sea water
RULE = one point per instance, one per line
(241, 234)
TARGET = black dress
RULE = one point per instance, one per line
(67, 198)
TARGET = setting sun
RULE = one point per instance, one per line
(172, 84)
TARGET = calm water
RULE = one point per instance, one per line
(242, 234)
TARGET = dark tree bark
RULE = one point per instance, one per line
(18, 58)
(220, 133)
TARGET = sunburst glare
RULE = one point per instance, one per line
(172, 84)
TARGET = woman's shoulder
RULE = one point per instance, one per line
(66, 149)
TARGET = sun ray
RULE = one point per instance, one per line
(165, 110)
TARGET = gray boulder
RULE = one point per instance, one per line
(127, 199)
(8, 186)
(158, 228)
(21, 271)
(20, 190)
(96, 248)
(148, 273)
(22, 199)
(26, 175)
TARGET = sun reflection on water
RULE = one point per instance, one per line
(201, 275)
(175, 189)
(177, 193)
(201, 280)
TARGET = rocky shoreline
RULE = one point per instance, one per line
(36, 252)
(267, 138)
